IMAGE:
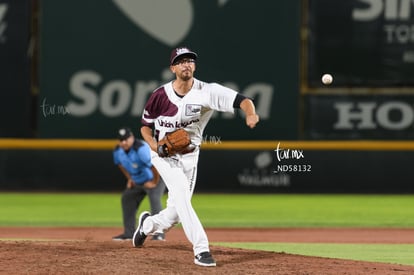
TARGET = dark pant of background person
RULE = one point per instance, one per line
(131, 200)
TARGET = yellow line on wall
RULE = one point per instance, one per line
(105, 144)
(81, 144)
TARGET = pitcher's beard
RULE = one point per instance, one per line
(185, 76)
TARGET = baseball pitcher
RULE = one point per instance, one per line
(184, 103)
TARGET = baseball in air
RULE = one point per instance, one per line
(327, 79)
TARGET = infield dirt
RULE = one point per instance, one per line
(91, 251)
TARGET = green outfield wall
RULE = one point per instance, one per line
(73, 72)
(228, 167)
(15, 93)
(100, 60)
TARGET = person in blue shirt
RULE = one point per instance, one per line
(133, 158)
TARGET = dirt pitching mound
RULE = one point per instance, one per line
(91, 251)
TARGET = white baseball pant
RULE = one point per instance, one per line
(179, 174)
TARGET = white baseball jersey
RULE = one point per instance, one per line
(167, 111)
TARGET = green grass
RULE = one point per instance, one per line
(306, 210)
(216, 210)
(38, 209)
(385, 253)
(241, 210)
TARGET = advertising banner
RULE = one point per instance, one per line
(387, 117)
(14, 68)
(100, 60)
(362, 43)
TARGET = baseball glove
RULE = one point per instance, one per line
(174, 143)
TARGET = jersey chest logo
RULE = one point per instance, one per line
(192, 109)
